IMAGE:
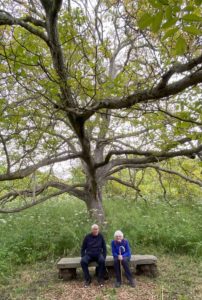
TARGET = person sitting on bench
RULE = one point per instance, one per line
(121, 253)
(93, 249)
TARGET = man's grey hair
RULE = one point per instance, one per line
(94, 226)
(118, 233)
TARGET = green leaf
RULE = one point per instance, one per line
(168, 13)
(181, 46)
(35, 59)
(189, 8)
(198, 2)
(155, 3)
(145, 21)
(23, 73)
(176, 9)
(192, 30)
(164, 2)
(170, 33)
(156, 21)
(192, 18)
(169, 23)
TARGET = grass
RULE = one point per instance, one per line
(55, 229)
(173, 229)
(179, 279)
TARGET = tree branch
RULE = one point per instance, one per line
(150, 156)
(7, 19)
(178, 69)
(30, 169)
(191, 180)
(6, 153)
(34, 21)
(157, 92)
(123, 182)
(51, 6)
(70, 190)
(179, 118)
(153, 166)
(39, 189)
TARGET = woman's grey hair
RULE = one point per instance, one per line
(118, 233)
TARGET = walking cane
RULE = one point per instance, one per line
(121, 247)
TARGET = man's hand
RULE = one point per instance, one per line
(120, 257)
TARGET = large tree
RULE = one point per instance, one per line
(102, 86)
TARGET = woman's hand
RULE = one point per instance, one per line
(120, 257)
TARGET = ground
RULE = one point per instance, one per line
(180, 278)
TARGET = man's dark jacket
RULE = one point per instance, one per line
(94, 245)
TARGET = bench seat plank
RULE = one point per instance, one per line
(74, 262)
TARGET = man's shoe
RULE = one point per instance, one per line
(117, 284)
(132, 283)
(101, 283)
(87, 282)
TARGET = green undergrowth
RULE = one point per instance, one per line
(55, 229)
(179, 279)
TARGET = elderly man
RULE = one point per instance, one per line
(93, 249)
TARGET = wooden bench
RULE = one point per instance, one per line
(143, 264)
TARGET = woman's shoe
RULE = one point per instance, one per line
(117, 284)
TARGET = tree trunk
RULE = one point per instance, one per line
(95, 206)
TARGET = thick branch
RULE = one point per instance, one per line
(34, 21)
(149, 156)
(52, 6)
(177, 69)
(155, 166)
(43, 199)
(38, 190)
(62, 187)
(30, 169)
(191, 180)
(6, 153)
(7, 19)
(155, 93)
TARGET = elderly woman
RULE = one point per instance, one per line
(121, 253)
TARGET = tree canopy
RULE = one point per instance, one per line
(104, 86)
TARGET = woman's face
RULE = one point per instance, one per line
(119, 238)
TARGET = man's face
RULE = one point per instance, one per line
(95, 230)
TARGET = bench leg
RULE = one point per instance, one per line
(147, 270)
(111, 271)
(153, 270)
(106, 273)
(67, 274)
